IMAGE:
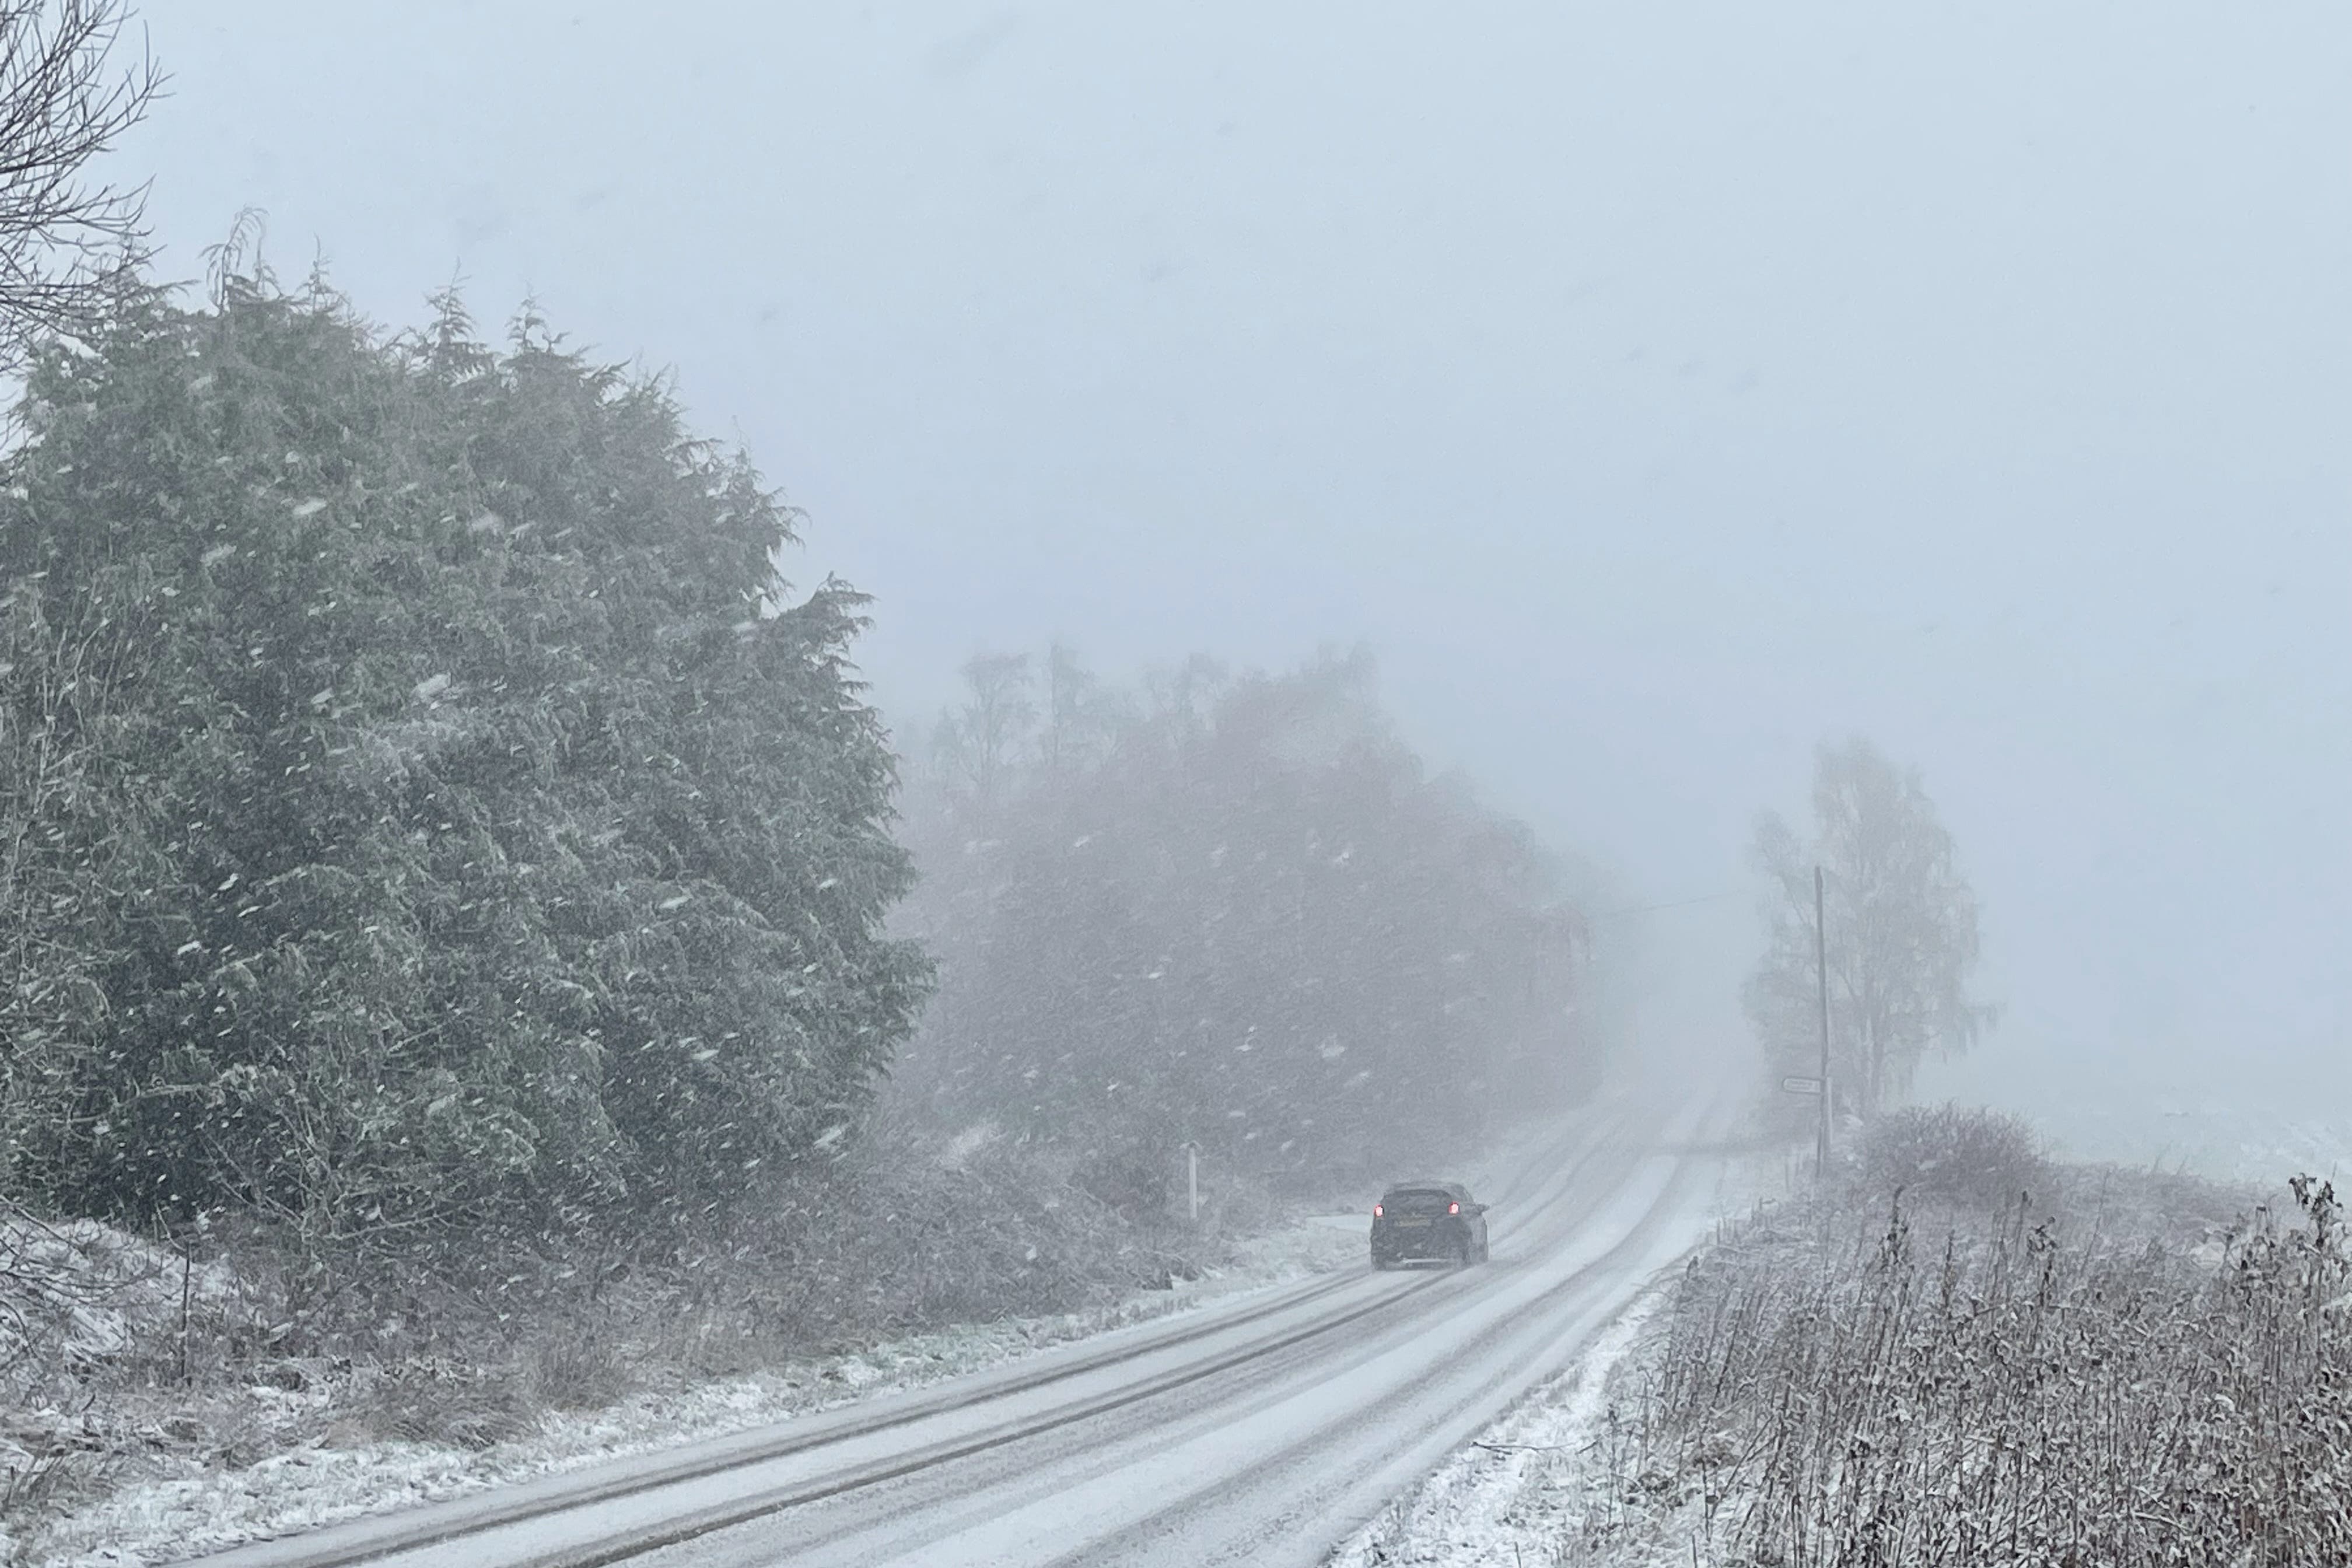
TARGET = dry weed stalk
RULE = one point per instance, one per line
(2008, 1396)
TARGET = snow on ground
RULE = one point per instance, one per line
(1545, 1485)
(2217, 1139)
(79, 1291)
(1520, 1492)
(1561, 1479)
(198, 1507)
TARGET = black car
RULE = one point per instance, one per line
(1436, 1221)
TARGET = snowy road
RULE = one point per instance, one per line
(1261, 1430)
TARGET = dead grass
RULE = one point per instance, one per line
(2092, 1372)
(431, 1401)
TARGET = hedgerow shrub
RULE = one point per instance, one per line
(1962, 1155)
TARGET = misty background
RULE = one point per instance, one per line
(1654, 393)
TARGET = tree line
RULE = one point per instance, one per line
(1232, 910)
(424, 805)
(424, 808)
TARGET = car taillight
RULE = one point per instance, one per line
(1376, 1211)
(1453, 1208)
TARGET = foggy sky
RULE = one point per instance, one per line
(1656, 389)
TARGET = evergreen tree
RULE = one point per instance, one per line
(461, 817)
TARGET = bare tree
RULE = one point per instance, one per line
(65, 235)
(1902, 925)
(982, 742)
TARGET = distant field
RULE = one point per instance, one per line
(2220, 1142)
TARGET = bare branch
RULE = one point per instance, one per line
(65, 236)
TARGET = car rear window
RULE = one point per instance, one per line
(1417, 1200)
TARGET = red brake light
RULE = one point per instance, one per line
(1453, 1208)
(1376, 1211)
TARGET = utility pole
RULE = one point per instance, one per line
(1821, 974)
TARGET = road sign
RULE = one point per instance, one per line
(1800, 1085)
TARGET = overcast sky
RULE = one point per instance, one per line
(1656, 388)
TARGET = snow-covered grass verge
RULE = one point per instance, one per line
(176, 1498)
(1531, 1484)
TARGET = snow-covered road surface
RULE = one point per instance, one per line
(1263, 1430)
